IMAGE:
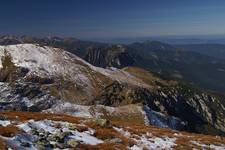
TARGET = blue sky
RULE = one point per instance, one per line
(89, 19)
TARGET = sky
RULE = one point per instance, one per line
(89, 19)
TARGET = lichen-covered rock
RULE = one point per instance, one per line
(114, 56)
(101, 122)
(72, 143)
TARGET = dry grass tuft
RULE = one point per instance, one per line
(148, 77)
(81, 128)
(9, 131)
(24, 116)
(3, 145)
(104, 146)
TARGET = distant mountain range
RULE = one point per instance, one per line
(174, 40)
(166, 60)
(213, 50)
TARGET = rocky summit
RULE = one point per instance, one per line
(40, 86)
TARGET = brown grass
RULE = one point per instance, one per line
(24, 116)
(121, 115)
(81, 128)
(103, 146)
(107, 133)
(3, 145)
(9, 131)
(183, 138)
(184, 143)
(148, 77)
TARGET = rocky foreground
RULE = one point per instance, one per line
(26, 130)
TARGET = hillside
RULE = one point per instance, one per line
(41, 78)
(59, 68)
(198, 64)
(213, 50)
(170, 62)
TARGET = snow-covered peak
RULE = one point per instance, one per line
(42, 60)
(47, 61)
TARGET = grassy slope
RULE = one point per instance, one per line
(183, 138)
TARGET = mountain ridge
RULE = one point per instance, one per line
(53, 76)
(215, 50)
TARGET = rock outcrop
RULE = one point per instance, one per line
(114, 56)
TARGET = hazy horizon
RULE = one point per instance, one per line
(116, 19)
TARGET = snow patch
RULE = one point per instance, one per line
(85, 138)
(211, 146)
(4, 123)
(80, 110)
(52, 128)
(50, 62)
(16, 141)
(148, 141)
(25, 127)
(154, 143)
(161, 120)
(72, 109)
(122, 131)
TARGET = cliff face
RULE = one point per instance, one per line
(115, 56)
(199, 111)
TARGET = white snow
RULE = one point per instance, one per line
(85, 138)
(47, 61)
(215, 147)
(4, 123)
(80, 110)
(72, 109)
(49, 126)
(25, 127)
(161, 120)
(46, 125)
(144, 113)
(154, 143)
(121, 130)
(50, 61)
(27, 102)
(211, 146)
(148, 141)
